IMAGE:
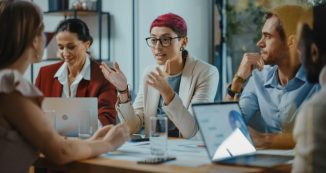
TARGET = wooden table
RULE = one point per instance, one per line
(114, 164)
(106, 165)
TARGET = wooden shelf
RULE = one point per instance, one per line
(99, 14)
(75, 13)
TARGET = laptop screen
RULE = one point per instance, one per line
(223, 129)
(70, 113)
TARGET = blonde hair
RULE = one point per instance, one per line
(289, 17)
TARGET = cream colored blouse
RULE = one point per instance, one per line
(16, 154)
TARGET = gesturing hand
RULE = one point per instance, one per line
(157, 79)
(115, 76)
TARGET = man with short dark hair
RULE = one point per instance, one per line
(275, 91)
(310, 125)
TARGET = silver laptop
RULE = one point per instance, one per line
(69, 115)
(227, 138)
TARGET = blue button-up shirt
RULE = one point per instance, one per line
(269, 107)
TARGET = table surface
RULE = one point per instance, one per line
(191, 158)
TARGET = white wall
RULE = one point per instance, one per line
(121, 42)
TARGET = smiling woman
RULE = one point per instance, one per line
(169, 87)
(79, 75)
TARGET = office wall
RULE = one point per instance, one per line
(121, 42)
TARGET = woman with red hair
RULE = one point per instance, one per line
(170, 86)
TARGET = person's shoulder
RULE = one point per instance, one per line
(316, 86)
(314, 107)
(318, 97)
(12, 80)
(95, 66)
(198, 64)
(52, 67)
(96, 73)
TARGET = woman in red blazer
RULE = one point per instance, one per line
(78, 75)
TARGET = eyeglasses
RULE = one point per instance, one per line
(164, 41)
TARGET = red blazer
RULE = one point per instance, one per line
(98, 87)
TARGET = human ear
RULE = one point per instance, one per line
(87, 44)
(34, 43)
(314, 52)
(184, 42)
(291, 40)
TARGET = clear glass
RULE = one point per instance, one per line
(85, 129)
(158, 136)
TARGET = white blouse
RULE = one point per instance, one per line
(62, 75)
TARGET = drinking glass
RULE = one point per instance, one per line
(85, 129)
(158, 136)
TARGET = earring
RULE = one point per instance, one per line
(182, 49)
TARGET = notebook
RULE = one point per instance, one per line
(227, 138)
(69, 113)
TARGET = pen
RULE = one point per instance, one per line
(229, 152)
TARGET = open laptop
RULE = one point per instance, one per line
(70, 113)
(227, 138)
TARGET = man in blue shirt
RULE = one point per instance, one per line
(277, 88)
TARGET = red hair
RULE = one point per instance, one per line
(172, 21)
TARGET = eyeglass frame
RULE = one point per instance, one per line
(160, 41)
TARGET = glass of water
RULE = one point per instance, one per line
(84, 126)
(158, 136)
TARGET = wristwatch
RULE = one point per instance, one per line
(128, 100)
(232, 93)
(126, 91)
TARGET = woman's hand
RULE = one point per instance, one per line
(157, 80)
(115, 136)
(115, 76)
(100, 133)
